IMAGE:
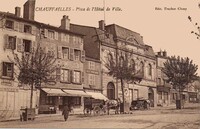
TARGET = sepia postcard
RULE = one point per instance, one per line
(100, 64)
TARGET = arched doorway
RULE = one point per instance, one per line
(111, 90)
(151, 96)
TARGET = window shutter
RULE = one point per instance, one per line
(13, 46)
(58, 74)
(16, 26)
(33, 46)
(71, 50)
(45, 33)
(67, 38)
(82, 77)
(20, 46)
(72, 76)
(83, 56)
(6, 41)
(21, 27)
(56, 35)
(60, 52)
(33, 30)
(71, 39)
(61, 37)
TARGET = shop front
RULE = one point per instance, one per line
(163, 95)
(53, 100)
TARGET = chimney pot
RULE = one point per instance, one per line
(65, 22)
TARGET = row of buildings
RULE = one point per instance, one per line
(81, 53)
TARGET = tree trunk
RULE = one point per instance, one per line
(122, 88)
(31, 99)
(179, 99)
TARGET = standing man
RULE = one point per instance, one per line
(65, 112)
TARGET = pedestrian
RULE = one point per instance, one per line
(65, 112)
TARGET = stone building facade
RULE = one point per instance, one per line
(17, 35)
(165, 93)
(114, 41)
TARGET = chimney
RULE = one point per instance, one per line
(17, 11)
(102, 25)
(164, 53)
(65, 23)
(29, 10)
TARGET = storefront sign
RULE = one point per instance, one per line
(92, 71)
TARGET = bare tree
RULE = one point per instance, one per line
(34, 67)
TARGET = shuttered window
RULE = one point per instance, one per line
(10, 42)
(9, 24)
(65, 52)
(64, 75)
(8, 69)
(27, 29)
(27, 45)
(76, 76)
(77, 54)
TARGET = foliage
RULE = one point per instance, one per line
(180, 72)
(196, 32)
(34, 67)
(123, 69)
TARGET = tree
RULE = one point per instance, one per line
(196, 32)
(180, 72)
(34, 67)
(123, 70)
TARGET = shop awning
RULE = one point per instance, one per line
(54, 92)
(97, 95)
(76, 93)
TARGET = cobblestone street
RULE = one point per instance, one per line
(156, 118)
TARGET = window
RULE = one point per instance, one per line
(51, 34)
(27, 28)
(8, 69)
(11, 42)
(49, 100)
(77, 54)
(91, 65)
(64, 75)
(65, 52)
(91, 78)
(9, 24)
(111, 91)
(77, 77)
(27, 45)
(76, 101)
(149, 70)
(142, 67)
(159, 81)
(66, 37)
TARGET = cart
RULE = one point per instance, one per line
(94, 106)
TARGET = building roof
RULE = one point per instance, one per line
(13, 16)
(124, 33)
(149, 51)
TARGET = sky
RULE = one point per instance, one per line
(163, 29)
